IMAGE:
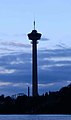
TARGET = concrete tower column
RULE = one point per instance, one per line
(34, 69)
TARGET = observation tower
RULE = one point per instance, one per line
(34, 36)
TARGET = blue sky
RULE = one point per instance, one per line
(53, 20)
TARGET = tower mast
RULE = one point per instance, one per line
(34, 24)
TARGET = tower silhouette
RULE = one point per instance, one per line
(34, 36)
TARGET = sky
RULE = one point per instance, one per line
(53, 20)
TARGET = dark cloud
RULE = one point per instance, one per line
(61, 45)
(54, 66)
(13, 35)
(44, 39)
(6, 49)
(55, 52)
(15, 44)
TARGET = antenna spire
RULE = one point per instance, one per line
(34, 24)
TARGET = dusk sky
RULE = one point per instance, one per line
(53, 20)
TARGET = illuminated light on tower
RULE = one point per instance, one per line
(34, 36)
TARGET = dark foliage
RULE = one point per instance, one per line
(58, 102)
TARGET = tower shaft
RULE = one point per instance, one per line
(34, 69)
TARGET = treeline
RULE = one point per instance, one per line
(58, 102)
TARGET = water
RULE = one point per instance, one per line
(35, 117)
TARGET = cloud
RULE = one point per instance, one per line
(43, 67)
(12, 35)
(15, 44)
(13, 84)
(58, 58)
(44, 39)
(46, 85)
(17, 62)
(6, 71)
(5, 49)
(21, 85)
(7, 46)
(49, 67)
(61, 45)
(54, 68)
(3, 84)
